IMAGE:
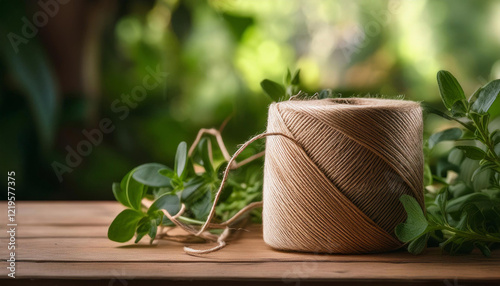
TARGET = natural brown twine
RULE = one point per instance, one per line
(334, 171)
(338, 189)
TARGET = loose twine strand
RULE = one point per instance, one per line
(202, 232)
(333, 174)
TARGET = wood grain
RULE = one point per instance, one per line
(67, 240)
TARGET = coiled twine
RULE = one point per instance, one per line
(336, 187)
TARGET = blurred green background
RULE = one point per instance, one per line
(65, 66)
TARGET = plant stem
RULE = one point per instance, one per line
(485, 237)
(190, 220)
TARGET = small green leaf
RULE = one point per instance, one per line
(133, 190)
(472, 152)
(495, 137)
(457, 204)
(142, 229)
(153, 229)
(418, 245)
(180, 159)
(273, 89)
(450, 89)
(120, 195)
(168, 202)
(296, 78)
(483, 247)
(486, 166)
(123, 227)
(459, 109)
(474, 96)
(487, 95)
(446, 135)
(204, 150)
(148, 174)
(288, 77)
(416, 223)
(201, 207)
(427, 175)
(191, 187)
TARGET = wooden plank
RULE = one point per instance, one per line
(68, 240)
(281, 271)
(248, 248)
(57, 231)
(63, 213)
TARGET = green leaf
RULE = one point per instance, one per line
(480, 119)
(153, 229)
(427, 175)
(273, 89)
(120, 195)
(483, 247)
(459, 109)
(441, 202)
(472, 152)
(446, 135)
(486, 166)
(180, 159)
(296, 78)
(418, 245)
(474, 96)
(416, 223)
(191, 187)
(143, 228)
(201, 207)
(148, 174)
(31, 70)
(288, 77)
(487, 95)
(204, 150)
(134, 190)
(168, 202)
(450, 89)
(495, 137)
(123, 227)
(455, 206)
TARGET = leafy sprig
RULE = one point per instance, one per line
(290, 88)
(465, 213)
(169, 188)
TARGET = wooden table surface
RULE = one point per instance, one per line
(66, 242)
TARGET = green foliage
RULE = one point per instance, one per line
(290, 88)
(123, 227)
(446, 135)
(170, 188)
(465, 213)
(452, 93)
(275, 90)
(28, 64)
(486, 97)
(416, 223)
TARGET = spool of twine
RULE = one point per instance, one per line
(335, 187)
